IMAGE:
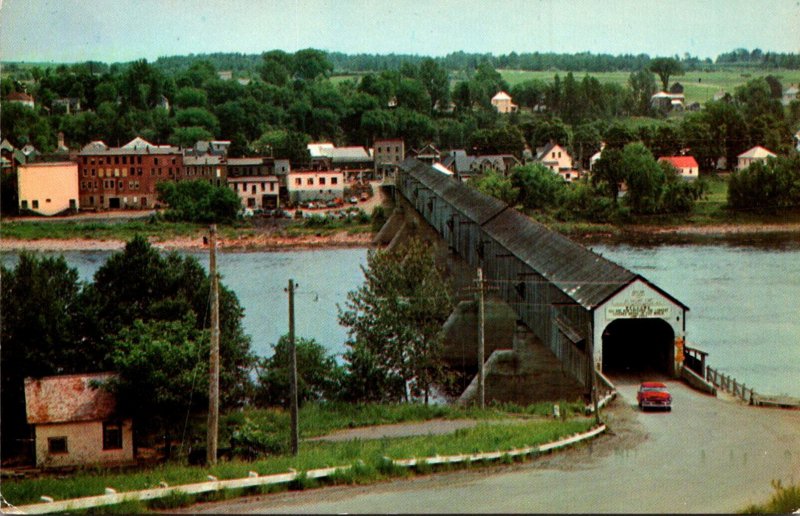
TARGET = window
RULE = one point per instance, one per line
(272, 187)
(112, 436)
(253, 189)
(93, 172)
(334, 180)
(116, 160)
(138, 160)
(310, 181)
(263, 187)
(124, 160)
(85, 160)
(321, 181)
(73, 204)
(85, 172)
(57, 445)
(155, 161)
(24, 205)
(35, 205)
(298, 181)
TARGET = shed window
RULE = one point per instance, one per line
(112, 436)
(57, 445)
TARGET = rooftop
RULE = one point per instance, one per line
(680, 161)
(757, 152)
(68, 398)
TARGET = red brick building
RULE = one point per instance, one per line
(125, 177)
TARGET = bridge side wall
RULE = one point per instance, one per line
(529, 294)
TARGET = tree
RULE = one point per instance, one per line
(434, 79)
(396, 317)
(644, 177)
(507, 139)
(162, 369)
(198, 201)
(318, 375)
(188, 136)
(770, 184)
(279, 143)
(191, 97)
(138, 283)
(496, 185)
(310, 64)
(665, 67)
(197, 117)
(642, 85)
(608, 173)
(539, 187)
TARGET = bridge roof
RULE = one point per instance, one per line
(580, 273)
(476, 206)
(583, 275)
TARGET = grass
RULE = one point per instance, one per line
(785, 500)
(699, 86)
(481, 438)
(123, 230)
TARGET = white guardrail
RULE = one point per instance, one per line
(112, 497)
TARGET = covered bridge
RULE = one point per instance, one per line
(563, 292)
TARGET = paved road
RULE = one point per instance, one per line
(707, 455)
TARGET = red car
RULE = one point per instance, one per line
(654, 395)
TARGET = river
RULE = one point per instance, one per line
(743, 299)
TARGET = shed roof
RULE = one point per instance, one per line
(340, 154)
(68, 398)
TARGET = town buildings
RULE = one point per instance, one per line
(388, 154)
(75, 421)
(20, 97)
(257, 192)
(48, 188)
(125, 177)
(313, 185)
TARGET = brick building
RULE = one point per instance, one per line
(125, 177)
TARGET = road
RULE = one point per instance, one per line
(707, 455)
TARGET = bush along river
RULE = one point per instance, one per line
(742, 297)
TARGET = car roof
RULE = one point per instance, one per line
(653, 384)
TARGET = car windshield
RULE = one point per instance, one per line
(654, 389)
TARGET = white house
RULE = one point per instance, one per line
(789, 94)
(48, 188)
(502, 103)
(686, 166)
(757, 153)
(664, 99)
(596, 156)
(554, 156)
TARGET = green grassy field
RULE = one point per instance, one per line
(699, 86)
(525, 431)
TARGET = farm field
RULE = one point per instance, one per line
(699, 86)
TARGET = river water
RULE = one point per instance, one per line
(743, 299)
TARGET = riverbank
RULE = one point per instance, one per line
(261, 239)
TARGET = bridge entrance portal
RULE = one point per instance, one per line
(638, 346)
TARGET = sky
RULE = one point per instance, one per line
(124, 30)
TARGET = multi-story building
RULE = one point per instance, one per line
(48, 188)
(210, 168)
(241, 167)
(125, 177)
(257, 192)
(313, 185)
(388, 154)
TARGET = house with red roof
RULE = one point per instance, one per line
(76, 421)
(686, 166)
(21, 97)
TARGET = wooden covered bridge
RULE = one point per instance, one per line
(563, 292)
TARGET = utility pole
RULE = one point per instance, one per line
(295, 430)
(481, 348)
(213, 382)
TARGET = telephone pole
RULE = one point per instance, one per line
(213, 382)
(481, 348)
(295, 430)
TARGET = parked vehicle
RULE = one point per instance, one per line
(353, 200)
(364, 196)
(653, 395)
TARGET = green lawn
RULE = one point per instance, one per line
(699, 86)
(529, 430)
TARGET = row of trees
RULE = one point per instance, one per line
(652, 188)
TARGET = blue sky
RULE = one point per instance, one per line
(122, 30)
